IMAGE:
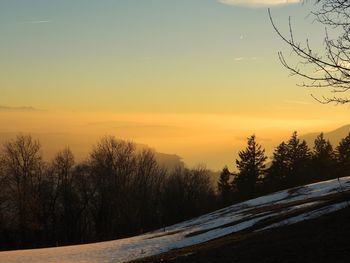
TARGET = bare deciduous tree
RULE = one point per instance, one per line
(63, 165)
(21, 165)
(331, 68)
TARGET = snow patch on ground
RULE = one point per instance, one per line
(255, 213)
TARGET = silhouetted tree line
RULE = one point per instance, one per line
(119, 191)
(293, 164)
(116, 192)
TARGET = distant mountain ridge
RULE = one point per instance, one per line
(169, 161)
(334, 136)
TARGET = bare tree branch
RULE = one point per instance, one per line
(332, 68)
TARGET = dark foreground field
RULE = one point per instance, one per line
(325, 239)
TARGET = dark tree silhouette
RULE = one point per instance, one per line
(299, 156)
(112, 162)
(331, 67)
(21, 165)
(343, 156)
(323, 158)
(225, 186)
(280, 168)
(291, 165)
(187, 193)
(120, 191)
(251, 166)
(147, 183)
(62, 166)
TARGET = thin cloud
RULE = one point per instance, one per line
(259, 3)
(35, 22)
(16, 109)
(298, 102)
(246, 58)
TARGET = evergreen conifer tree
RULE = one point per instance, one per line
(251, 166)
(280, 168)
(343, 156)
(291, 164)
(323, 158)
(299, 163)
(224, 186)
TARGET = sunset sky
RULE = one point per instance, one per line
(190, 77)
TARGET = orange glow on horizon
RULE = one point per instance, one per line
(212, 139)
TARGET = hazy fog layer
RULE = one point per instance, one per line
(212, 139)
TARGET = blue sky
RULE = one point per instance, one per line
(115, 46)
(206, 68)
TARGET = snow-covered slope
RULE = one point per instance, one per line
(281, 208)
